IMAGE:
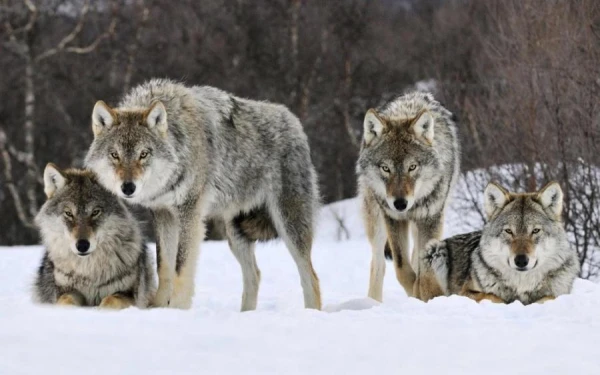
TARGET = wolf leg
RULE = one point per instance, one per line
(190, 236)
(426, 286)
(293, 218)
(166, 229)
(116, 301)
(71, 299)
(397, 231)
(545, 299)
(243, 250)
(375, 228)
(469, 291)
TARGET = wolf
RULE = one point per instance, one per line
(408, 164)
(522, 253)
(192, 153)
(95, 254)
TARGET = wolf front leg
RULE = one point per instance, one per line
(397, 231)
(71, 299)
(166, 230)
(191, 233)
(545, 299)
(116, 301)
(426, 285)
(377, 235)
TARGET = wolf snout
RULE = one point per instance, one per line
(128, 188)
(521, 261)
(82, 246)
(400, 204)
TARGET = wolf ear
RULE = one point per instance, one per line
(53, 180)
(551, 197)
(495, 197)
(103, 117)
(156, 117)
(422, 126)
(373, 126)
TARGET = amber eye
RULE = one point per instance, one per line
(68, 214)
(144, 155)
(96, 212)
(536, 230)
(385, 168)
(508, 231)
(412, 167)
(114, 155)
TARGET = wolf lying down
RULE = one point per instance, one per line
(522, 253)
(95, 255)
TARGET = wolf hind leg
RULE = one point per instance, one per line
(293, 219)
(243, 249)
(435, 261)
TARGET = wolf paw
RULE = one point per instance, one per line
(115, 302)
(162, 297)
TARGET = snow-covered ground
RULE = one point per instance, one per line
(354, 335)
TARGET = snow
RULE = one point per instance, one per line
(352, 335)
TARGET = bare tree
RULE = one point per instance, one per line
(19, 40)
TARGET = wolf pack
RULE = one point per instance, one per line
(189, 154)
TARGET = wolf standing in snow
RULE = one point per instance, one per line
(521, 254)
(408, 164)
(95, 255)
(192, 153)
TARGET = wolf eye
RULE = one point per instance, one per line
(114, 155)
(68, 214)
(96, 212)
(144, 155)
(536, 230)
(508, 231)
(412, 167)
(385, 168)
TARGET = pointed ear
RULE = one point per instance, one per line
(103, 117)
(53, 180)
(156, 117)
(422, 127)
(495, 197)
(373, 126)
(551, 197)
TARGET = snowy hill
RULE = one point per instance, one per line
(354, 335)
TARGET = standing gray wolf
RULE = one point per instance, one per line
(95, 255)
(409, 161)
(194, 153)
(522, 253)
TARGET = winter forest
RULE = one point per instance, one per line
(521, 75)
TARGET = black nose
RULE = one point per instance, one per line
(82, 245)
(400, 204)
(521, 260)
(128, 188)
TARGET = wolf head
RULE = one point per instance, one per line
(129, 153)
(398, 160)
(79, 213)
(524, 231)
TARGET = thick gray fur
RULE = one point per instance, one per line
(219, 155)
(119, 263)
